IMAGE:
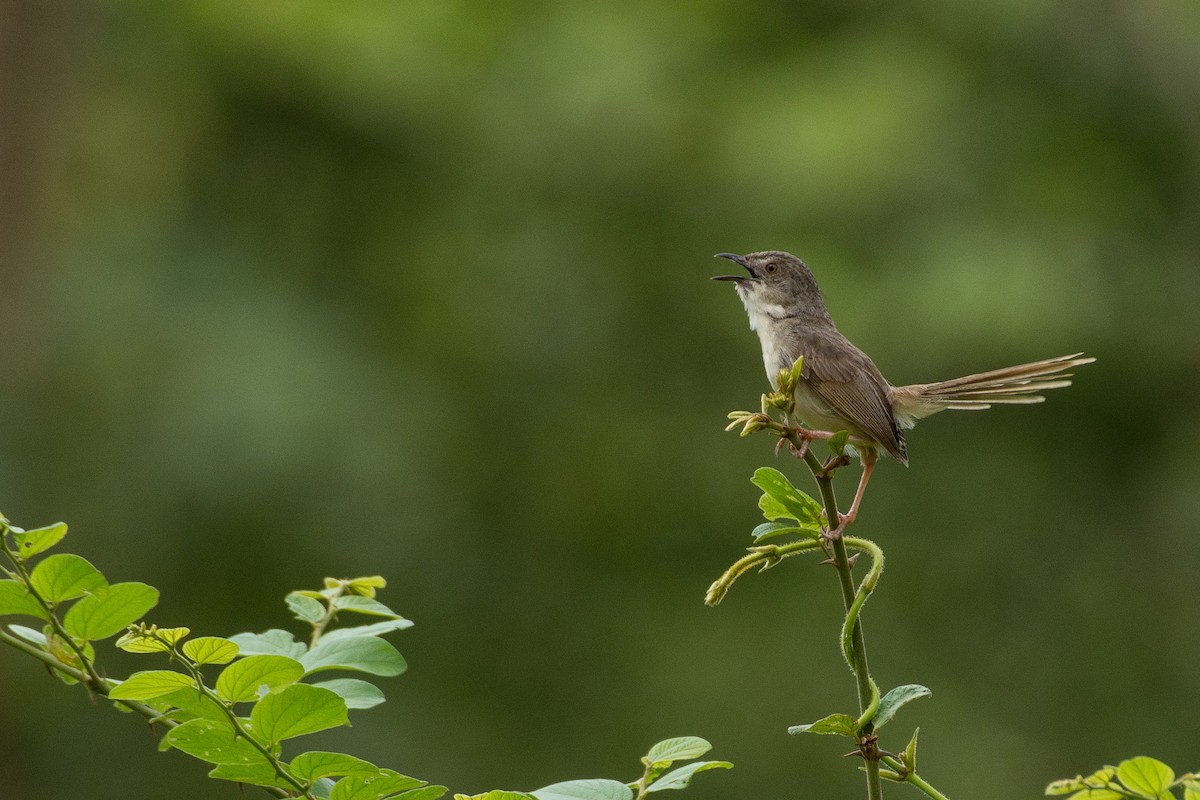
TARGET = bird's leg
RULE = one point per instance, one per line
(869, 457)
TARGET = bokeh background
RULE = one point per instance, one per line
(420, 288)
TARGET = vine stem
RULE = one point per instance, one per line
(835, 544)
(913, 778)
(868, 692)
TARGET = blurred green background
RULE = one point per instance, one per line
(421, 288)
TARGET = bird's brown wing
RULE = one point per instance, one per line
(845, 378)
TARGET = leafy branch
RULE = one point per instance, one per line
(1140, 778)
(818, 527)
(264, 694)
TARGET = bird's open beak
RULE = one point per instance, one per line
(737, 260)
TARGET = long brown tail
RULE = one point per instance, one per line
(1013, 385)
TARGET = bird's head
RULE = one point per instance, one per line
(777, 285)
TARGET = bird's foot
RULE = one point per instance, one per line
(799, 451)
(834, 532)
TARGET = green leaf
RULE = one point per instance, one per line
(891, 702)
(151, 684)
(271, 643)
(191, 704)
(680, 777)
(363, 605)
(319, 764)
(1191, 792)
(375, 629)
(837, 443)
(373, 787)
(424, 793)
(210, 650)
(29, 635)
(109, 610)
(242, 680)
(212, 741)
(770, 529)
(152, 639)
(305, 608)
(366, 586)
(781, 500)
(16, 599)
(368, 654)
(64, 577)
(494, 794)
(840, 724)
(1099, 794)
(30, 543)
(594, 789)
(260, 774)
(1148, 776)
(680, 748)
(1101, 778)
(356, 693)
(298, 710)
(1064, 786)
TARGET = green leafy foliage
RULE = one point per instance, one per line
(680, 777)
(296, 711)
(681, 748)
(355, 693)
(214, 741)
(246, 679)
(594, 789)
(271, 643)
(64, 577)
(108, 610)
(380, 784)
(657, 764)
(150, 684)
(1142, 778)
(834, 724)
(16, 599)
(152, 639)
(264, 672)
(39, 540)
(318, 764)
(304, 607)
(891, 702)
(210, 650)
(782, 500)
(368, 654)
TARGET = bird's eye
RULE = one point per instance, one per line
(771, 267)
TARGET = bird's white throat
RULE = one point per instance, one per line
(762, 315)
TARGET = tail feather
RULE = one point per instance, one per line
(1017, 385)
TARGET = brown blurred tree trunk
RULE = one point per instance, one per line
(33, 61)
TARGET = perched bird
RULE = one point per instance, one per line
(840, 388)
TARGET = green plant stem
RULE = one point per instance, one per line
(41, 655)
(868, 694)
(330, 612)
(90, 677)
(240, 727)
(152, 715)
(913, 778)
